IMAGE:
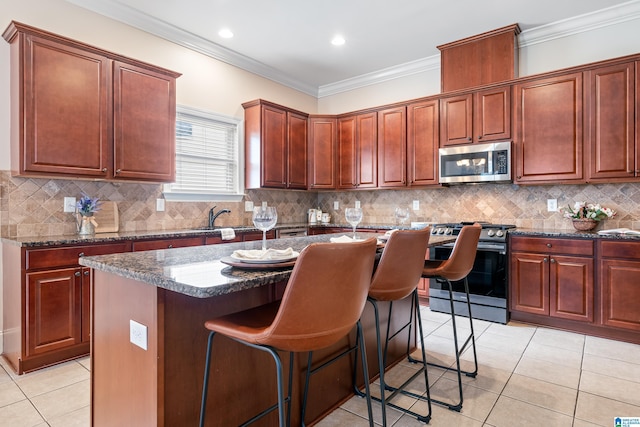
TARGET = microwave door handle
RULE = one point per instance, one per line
(490, 161)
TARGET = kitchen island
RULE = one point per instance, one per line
(171, 293)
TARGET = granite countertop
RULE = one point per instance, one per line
(198, 272)
(590, 235)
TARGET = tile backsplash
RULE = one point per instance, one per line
(34, 206)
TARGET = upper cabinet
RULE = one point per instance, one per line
(612, 148)
(548, 120)
(357, 153)
(481, 116)
(392, 147)
(275, 146)
(422, 142)
(323, 132)
(82, 112)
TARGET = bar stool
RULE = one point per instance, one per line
(457, 267)
(396, 277)
(323, 301)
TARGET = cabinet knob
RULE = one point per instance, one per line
(519, 176)
(81, 254)
(545, 260)
(104, 169)
(553, 260)
(77, 274)
(86, 272)
(170, 246)
(470, 139)
(479, 136)
(118, 171)
(549, 245)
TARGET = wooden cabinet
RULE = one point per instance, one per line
(549, 134)
(46, 303)
(182, 242)
(552, 277)
(392, 147)
(357, 152)
(78, 111)
(619, 270)
(322, 152)
(612, 148)
(422, 142)
(481, 116)
(275, 146)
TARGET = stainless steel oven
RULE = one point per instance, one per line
(487, 279)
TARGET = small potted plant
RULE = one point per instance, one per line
(586, 216)
(85, 208)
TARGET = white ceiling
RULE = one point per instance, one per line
(289, 40)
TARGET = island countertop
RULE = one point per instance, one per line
(198, 272)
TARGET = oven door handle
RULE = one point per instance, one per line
(487, 247)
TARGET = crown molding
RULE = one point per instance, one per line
(580, 24)
(564, 28)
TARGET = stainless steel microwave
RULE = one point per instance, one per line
(475, 163)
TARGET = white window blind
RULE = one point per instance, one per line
(207, 158)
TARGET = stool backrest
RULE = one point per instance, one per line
(401, 264)
(325, 296)
(460, 262)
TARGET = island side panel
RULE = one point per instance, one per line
(124, 377)
(12, 303)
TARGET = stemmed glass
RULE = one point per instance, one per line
(402, 214)
(354, 216)
(264, 218)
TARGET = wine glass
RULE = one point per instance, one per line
(354, 216)
(402, 214)
(264, 218)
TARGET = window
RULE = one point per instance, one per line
(207, 157)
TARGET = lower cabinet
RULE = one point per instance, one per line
(620, 285)
(552, 277)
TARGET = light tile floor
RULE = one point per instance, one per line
(528, 376)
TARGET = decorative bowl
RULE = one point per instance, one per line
(584, 224)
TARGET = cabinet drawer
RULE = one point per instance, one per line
(552, 246)
(68, 256)
(618, 249)
(167, 243)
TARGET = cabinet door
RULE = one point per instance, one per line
(422, 142)
(53, 310)
(296, 160)
(611, 96)
(66, 111)
(548, 141)
(322, 153)
(274, 147)
(620, 296)
(529, 283)
(492, 114)
(144, 128)
(249, 236)
(347, 153)
(367, 164)
(392, 147)
(456, 117)
(86, 305)
(571, 288)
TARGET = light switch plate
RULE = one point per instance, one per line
(159, 205)
(264, 205)
(552, 205)
(336, 205)
(248, 206)
(416, 205)
(138, 334)
(357, 204)
(69, 204)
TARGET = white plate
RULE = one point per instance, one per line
(264, 261)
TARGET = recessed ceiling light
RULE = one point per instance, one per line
(337, 40)
(225, 33)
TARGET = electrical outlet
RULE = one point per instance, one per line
(264, 205)
(69, 204)
(138, 334)
(416, 205)
(248, 206)
(552, 205)
(336, 205)
(159, 205)
(357, 204)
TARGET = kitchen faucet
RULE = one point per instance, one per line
(213, 215)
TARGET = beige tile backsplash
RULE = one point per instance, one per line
(34, 207)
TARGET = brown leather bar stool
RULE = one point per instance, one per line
(457, 267)
(396, 277)
(323, 301)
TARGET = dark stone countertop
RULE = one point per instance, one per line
(573, 234)
(198, 272)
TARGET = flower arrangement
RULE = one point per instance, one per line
(87, 206)
(582, 210)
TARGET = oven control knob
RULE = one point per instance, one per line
(447, 231)
(434, 231)
(491, 233)
(499, 233)
(441, 231)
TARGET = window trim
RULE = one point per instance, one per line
(180, 196)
